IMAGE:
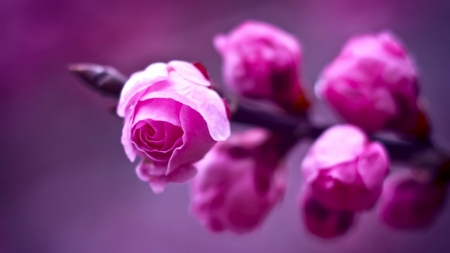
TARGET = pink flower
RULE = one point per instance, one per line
(263, 61)
(238, 183)
(373, 84)
(172, 119)
(322, 221)
(409, 202)
(345, 170)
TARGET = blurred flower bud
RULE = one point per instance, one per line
(322, 221)
(263, 61)
(443, 173)
(171, 119)
(373, 84)
(238, 182)
(409, 201)
(345, 170)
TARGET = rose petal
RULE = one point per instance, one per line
(146, 169)
(189, 72)
(225, 194)
(258, 29)
(164, 115)
(158, 184)
(322, 221)
(139, 82)
(220, 42)
(373, 165)
(338, 144)
(159, 148)
(196, 140)
(155, 175)
(205, 101)
(183, 174)
(344, 170)
(158, 109)
(127, 144)
(408, 202)
(372, 84)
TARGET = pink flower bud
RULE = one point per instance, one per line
(238, 183)
(373, 84)
(322, 221)
(172, 119)
(263, 61)
(345, 170)
(410, 202)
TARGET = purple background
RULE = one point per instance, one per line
(65, 182)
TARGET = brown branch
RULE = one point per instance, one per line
(109, 82)
(104, 79)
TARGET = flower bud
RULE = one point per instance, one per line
(345, 170)
(262, 61)
(171, 120)
(322, 221)
(373, 84)
(409, 201)
(238, 183)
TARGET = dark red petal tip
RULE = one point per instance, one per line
(202, 69)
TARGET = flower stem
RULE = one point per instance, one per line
(109, 82)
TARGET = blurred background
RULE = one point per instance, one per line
(65, 182)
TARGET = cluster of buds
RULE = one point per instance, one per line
(176, 122)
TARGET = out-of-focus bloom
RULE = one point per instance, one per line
(443, 173)
(322, 221)
(263, 61)
(345, 170)
(409, 201)
(172, 119)
(373, 84)
(238, 182)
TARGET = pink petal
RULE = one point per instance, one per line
(322, 221)
(220, 42)
(372, 83)
(344, 170)
(189, 72)
(158, 109)
(341, 143)
(146, 170)
(139, 82)
(183, 174)
(158, 184)
(245, 208)
(201, 99)
(196, 140)
(409, 202)
(156, 176)
(373, 165)
(130, 150)
(258, 29)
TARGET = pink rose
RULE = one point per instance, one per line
(373, 84)
(172, 119)
(410, 202)
(238, 183)
(345, 170)
(263, 61)
(322, 221)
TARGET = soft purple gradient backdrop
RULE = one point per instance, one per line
(65, 182)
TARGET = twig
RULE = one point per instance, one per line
(109, 82)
